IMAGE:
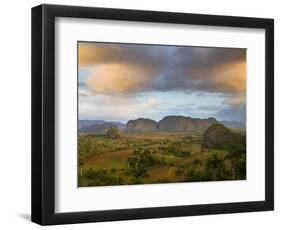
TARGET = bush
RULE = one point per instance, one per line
(140, 161)
(179, 171)
(137, 181)
(113, 170)
(113, 132)
(101, 177)
(84, 147)
(215, 167)
(188, 137)
(241, 168)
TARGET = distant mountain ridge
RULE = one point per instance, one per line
(141, 125)
(181, 123)
(97, 128)
(84, 123)
(87, 123)
(167, 124)
(170, 124)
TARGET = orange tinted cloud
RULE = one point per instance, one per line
(118, 79)
(123, 68)
(233, 75)
(226, 77)
(90, 54)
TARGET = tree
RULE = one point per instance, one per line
(85, 147)
(192, 173)
(113, 132)
(215, 166)
(80, 164)
(85, 150)
(234, 155)
(140, 161)
(241, 167)
(192, 170)
(196, 162)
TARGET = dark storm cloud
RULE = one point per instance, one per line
(206, 56)
(204, 69)
(149, 57)
(143, 68)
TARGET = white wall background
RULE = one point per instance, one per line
(15, 114)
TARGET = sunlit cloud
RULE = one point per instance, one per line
(119, 78)
(122, 74)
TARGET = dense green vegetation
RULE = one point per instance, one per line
(117, 158)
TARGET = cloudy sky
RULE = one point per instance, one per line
(119, 82)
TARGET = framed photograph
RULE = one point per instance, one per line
(142, 114)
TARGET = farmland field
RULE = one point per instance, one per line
(138, 158)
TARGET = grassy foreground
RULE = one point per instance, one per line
(154, 158)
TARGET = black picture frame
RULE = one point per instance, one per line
(43, 114)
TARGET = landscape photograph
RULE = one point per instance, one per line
(151, 114)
